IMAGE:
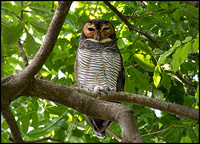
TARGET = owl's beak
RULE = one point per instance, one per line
(99, 36)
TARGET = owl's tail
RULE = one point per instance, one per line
(99, 126)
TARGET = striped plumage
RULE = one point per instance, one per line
(99, 64)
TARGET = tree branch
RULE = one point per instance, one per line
(50, 39)
(22, 53)
(88, 105)
(7, 114)
(194, 3)
(130, 27)
(14, 85)
(147, 101)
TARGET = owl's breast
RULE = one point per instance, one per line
(97, 67)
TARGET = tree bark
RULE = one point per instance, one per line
(88, 105)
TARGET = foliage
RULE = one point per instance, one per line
(149, 70)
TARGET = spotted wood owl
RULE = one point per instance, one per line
(99, 64)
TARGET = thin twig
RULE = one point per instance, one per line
(183, 80)
(164, 129)
(96, 9)
(45, 138)
(142, 4)
(112, 134)
(22, 53)
(130, 27)
(138, 16)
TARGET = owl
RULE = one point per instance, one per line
(99, 65)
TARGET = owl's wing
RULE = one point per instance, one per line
(121, 77)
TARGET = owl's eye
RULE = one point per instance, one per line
(106, 28)
(90, 29)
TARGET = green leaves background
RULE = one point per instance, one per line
(149, 70)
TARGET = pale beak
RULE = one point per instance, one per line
(99, 36)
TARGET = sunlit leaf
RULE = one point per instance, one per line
(196, 44)
(144, 62)
(156, 75)
(176, 60)
(185, 51)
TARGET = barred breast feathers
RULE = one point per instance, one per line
(98, 65)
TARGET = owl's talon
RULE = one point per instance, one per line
(98, 89)
(113, 89)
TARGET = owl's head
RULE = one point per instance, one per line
(98, 30)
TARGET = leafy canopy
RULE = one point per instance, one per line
(151, 71)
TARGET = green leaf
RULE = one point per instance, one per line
(195, 45)
(187, 39)
(39, 26)
(156, 76)
(143, 47)
(176, 60)
(35, 120)
(176, 15)
(13, 33)
(41, 131)
(78, 133)
(167, 53)
(197, 94)
(197, 129)
(37, 132)
(156, 93)
(185, 51)
(74, 139)
(129, 87)
(166, 81)
(139, 80)
(186, 140)
(25, 123)
(31, 46)
(4, 125)
(144, 62)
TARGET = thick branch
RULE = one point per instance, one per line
(130, 27)
(149, 102)
(88, 105)
(14, 87)
(7, 114)
(50, 39)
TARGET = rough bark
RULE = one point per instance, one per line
(90, 106)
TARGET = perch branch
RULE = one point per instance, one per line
(146, 101)
(88, 105)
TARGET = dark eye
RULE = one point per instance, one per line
(90, 29)
(106, 28)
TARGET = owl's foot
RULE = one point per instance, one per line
(113, 89)
(98, 89)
